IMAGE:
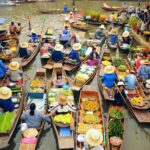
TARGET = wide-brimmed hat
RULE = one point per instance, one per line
(14, 65)
(146, 62)
(5, 93)
(120, 83)
(115, 141)
(102, 27)
(109, 69)
(62, 99)
(94, 137)
(58, 47)
(24, 45)
(30, 132)
(125, 34)
(114, 32)
(77, 46)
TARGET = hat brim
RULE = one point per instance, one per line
(58, 48)
(24, 45)
(5, 97)
(30, 132)
(14, 68)
(112, 70)
(77, 48)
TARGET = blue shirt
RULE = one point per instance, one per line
(74, 55)
(144, 72)
(109, 79)
(7, 105)
(57, 56)
(66, 8)
(3, 69)
(65, 37)
(113, 39)
(23, 52)
(130, 82)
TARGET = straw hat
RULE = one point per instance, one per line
(109, 69)
(62, 99)
(120, 83)
(24, 45)
(58, 47)
(5, 93)
(76, 46)
(115, 141)
(125, 34)
(114, 32)
(14, 65)
(30, 132)
(132, 71)
(102, 27)
(146, 62)
(94, 137)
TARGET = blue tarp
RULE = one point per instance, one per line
(2, 20)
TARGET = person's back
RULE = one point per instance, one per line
(126, 40)
(3, 69)
(130, 82)
(65, 37)
(12, 28)
(57, 56)
(66, 8)
(144, 72)
(113, 39)
(23, 52)
(99, 34)
(74, 55)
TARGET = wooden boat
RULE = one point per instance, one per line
(66, 142)
(7, 4)
(86, 94)
(79, 26)
(108, 93)
(53, 11)
(141, 113)
(5, 36)
(112, 47)
(34, 47)
(41, 76)
(17, 93)
(109, 119)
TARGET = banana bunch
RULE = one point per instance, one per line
(136, 100)
(35, 82)
(65, 119)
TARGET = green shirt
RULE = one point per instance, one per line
(82, 51)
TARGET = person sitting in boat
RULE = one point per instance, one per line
(113, 37)
(12, 28)
(3, 69)
(49, 31)
(59, 80)
(94, 57)
(144, 71)
(19, 29)
(34, 36)
(57, 55)
(6, 103)
(126, 40)
(75, 52)
(34, 118)
(100, 33)
(139, 61)
(130, 80)
(120, 94)
(23, 52)
(62, 107)
(109, 78)
(65, 7)
(93, 140)
(111, 17)
(14, 72)
(47, 45)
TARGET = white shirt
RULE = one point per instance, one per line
(15, 75)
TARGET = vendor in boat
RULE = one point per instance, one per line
(57, 55)
(23, 52)
(34, 118)
(94, 57)
(138, 61)
(75, 53)
(6, 103)
(59, 80)
(130, 80)
(113, 37)
(47, 45)
(120, 94)
(144, 71)
(63, 107)
(19, 28)
(3, 69)
(14, 72)
(109, 78)
(93, 140)
(34, 36)
(12, 28)
(126, 40)
(100, 33)
(65, 7)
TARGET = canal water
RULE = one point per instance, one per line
(137, 136)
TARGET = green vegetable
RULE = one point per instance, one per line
(115, 113)
(122, 68)
(117, 62)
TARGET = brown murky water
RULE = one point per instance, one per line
(137, 136)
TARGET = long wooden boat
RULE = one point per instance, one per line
(141, 113)
(89, 94)
(53, 11)
(40, 76)
(5, 137)
(109, 120)
(34, 47)
(64, 142)
(108, 93)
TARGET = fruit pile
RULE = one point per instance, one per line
(137, 101)
(90, 105)
(36, 82)
(65, 119)
(90, 118)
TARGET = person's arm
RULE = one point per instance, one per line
(97, 56)
(91, 55)
(72, 109)
(53, 109)
(45, 117)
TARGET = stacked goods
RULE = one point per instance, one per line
(90, 105)
(116, 114)
(84, 73)
(90, 118)
(36, 82)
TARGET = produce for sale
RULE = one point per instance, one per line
(116, 113)
(122, 68)
(90, 105)
(137, 101)
(65, 119)
(90, 118)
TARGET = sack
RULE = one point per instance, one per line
(23, 126)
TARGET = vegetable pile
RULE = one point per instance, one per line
(122, 68)
(116, 113)
(117, 62)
